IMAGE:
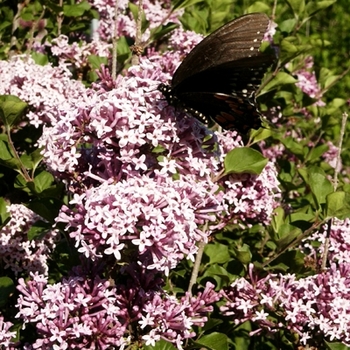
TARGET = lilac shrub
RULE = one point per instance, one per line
(147, 186)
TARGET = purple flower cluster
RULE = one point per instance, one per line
(5, 334)
(44, 88)
(312, 307)
(77, 55)
(17, 252)
(307, 81)
(339, 242)
(159, 218)
(163, 168)
(172, 319)
(75, 313)
(154, 11)
(82, 312)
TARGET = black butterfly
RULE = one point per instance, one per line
(219, 78)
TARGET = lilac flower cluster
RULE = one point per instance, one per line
(77, 55)
(75, 313)
(5, 334)
(157, 12)
(172, 319)
(307, 81)
(16, 251)
(314, 307)
(44, 88)
(134, 140)
(86, 313)
(161, 218)
(339, 242)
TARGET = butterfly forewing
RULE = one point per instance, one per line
(237, 39)
(220, 76)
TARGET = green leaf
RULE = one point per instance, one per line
(288, 26)
(40, 58)
(178, 4)
(313, 7)
(214, 341)
(43, 181)
(280, 79)
(38, 230)
(305, 217)
(76, 10)
(336, 346)
(5, 151)
(258, 6)
(96, 61)
(217, 253)
(298, 6)
(7, 288)
(285, 235)
(244, 160)
(259, 135)
(338, 205)
(4, 214)
(12, 109)
(277, 219)
(47, 208)
(295, 147)
(123, 50)
(212, 323)
(221, 276)
(243, 254)
(135, 12)
(160, 345)
(161, 31)
(320, 186)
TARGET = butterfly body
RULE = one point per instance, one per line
(218, 79)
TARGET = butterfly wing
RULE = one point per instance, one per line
(240, 38)
(225, 93)
(220, 76)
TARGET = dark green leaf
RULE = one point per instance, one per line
(319, 184)
(244, 160)
(338, 205)
(336, 346)
(7, 287)
(4, 214)
(313, 7)
(214, 341)
(11, 109)
(217, 253)
(38, 230)
(298, 6)
(160, 345)
(76, 10)
(47, 208)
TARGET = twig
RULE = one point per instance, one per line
(138, 38)
(335, 186)
(115, 42)
(197, 262)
